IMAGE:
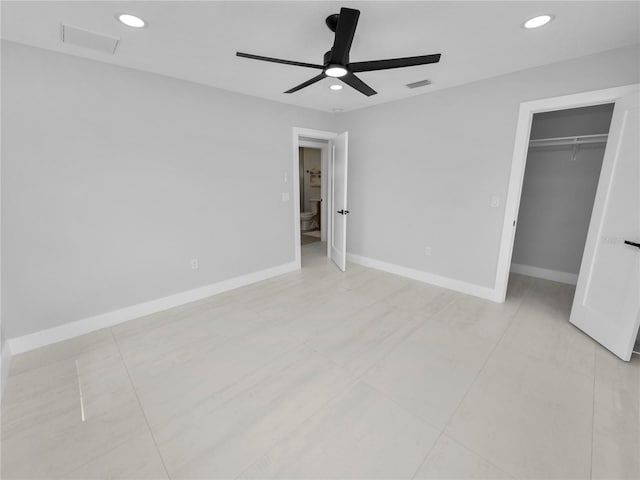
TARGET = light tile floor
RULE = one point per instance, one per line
(320, 374)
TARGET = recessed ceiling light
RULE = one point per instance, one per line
(538, 21)
(335, 87)
(335, 71)
(131, 20)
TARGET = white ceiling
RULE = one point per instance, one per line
(197, 41)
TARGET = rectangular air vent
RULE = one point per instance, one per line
(421, 83)
(85, 38)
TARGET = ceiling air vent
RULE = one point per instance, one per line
(85, 38)
(421, 83)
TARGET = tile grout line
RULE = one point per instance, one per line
(243, 378)
(408, 412)
(140, 404)
(418, 326)
(512, 477)
(443, 434)
(442, 431)
(300, 343)
(401, 406)
(359, 378)
(350, 384)
(484, 364)
(476, 379)
(426, 456)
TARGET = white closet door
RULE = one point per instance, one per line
(607, 300)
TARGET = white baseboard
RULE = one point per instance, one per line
(6, 364)
(556, 276)
(445, 282)
(109, 319)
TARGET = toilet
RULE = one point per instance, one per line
(306, 220)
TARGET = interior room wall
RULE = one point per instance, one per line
(113, 180)
(423, 171)
(558, 192)
(312, 161)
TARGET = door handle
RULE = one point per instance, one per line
(633, 244)
(343, 212)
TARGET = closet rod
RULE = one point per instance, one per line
(561, 141)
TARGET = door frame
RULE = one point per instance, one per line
(518, 163)
(298, 132)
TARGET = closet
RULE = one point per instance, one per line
(564, 160)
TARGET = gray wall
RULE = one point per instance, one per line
(558, 193)
(422, 171)
(114, 179)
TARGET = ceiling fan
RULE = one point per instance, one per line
(336, 61)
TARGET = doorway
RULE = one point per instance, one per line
(606, 304)
(333, 200)
(564, 160)
(312, 159)
(521, 147)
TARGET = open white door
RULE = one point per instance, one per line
(607, 300)
(338, 234)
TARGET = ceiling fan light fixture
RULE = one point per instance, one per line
(335, 71)
(538, 21)
(335, 87)
(131, 20)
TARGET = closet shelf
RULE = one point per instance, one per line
(569, 141)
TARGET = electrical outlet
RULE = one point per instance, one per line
(285, 177)
(495, 201)
(285, 196)
(194, 264)
(427, 251)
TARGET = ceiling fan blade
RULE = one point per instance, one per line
(278, 60)
(353, 81)
(345, 30)
(315, 79)
(394, 63)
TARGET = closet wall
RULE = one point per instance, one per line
(558, 193)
